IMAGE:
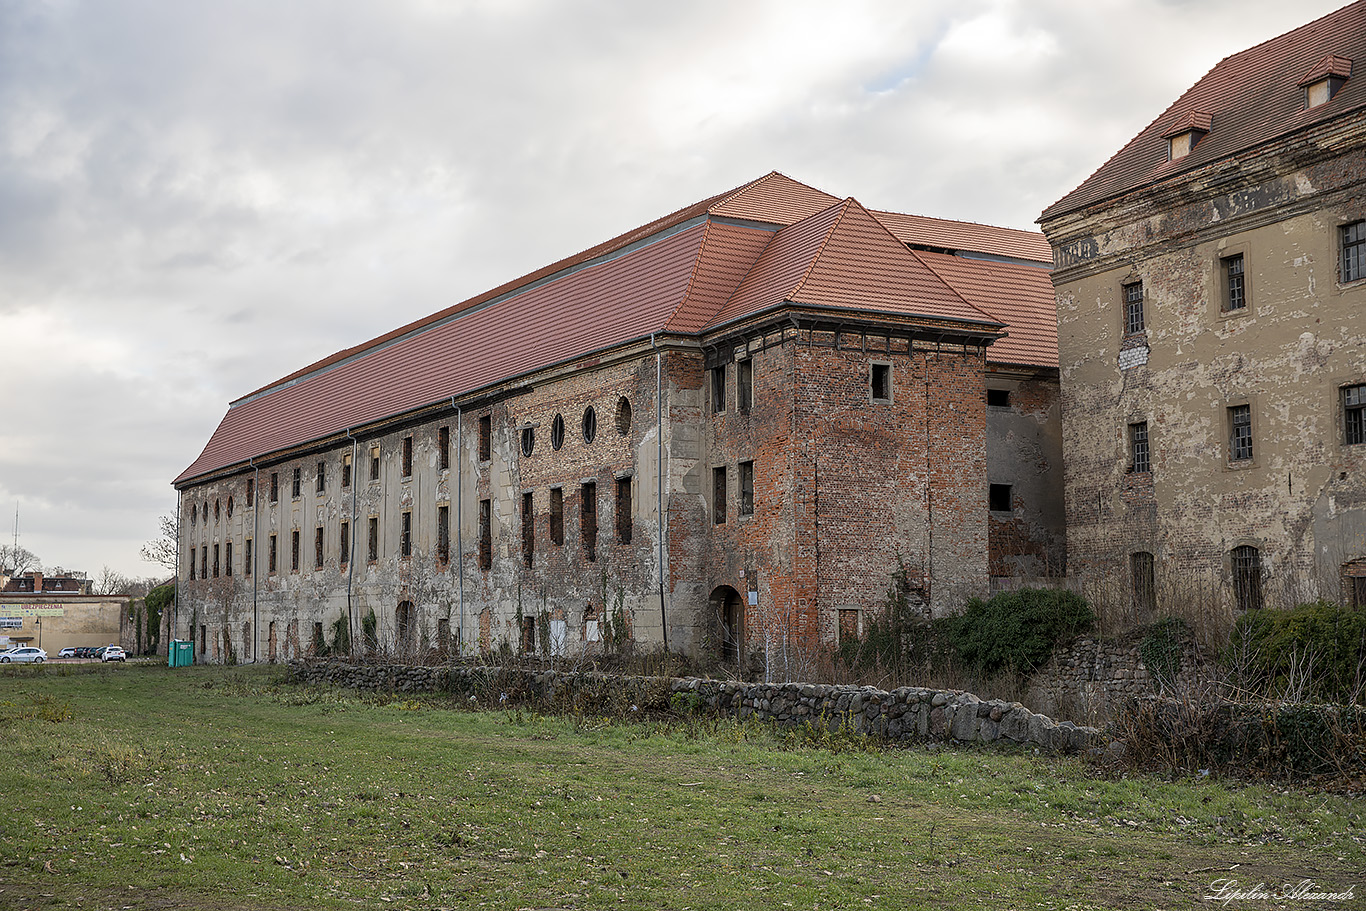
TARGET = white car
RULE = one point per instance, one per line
(68, 652)
(26, 653)
(113, 653)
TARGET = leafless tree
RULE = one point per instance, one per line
(110, 582)
(164, 549)
(16, 559)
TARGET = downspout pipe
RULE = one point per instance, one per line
(256, 540)
(175, 591)
(659, 484)
(459, 526)
(351, 547)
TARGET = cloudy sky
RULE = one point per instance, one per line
(199, 198)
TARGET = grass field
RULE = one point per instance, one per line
(142, 787)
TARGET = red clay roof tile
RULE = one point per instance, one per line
(946, 234)
(1022, 297)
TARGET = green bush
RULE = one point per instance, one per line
(1016, 631)
(1315, 651)
(1161, 649)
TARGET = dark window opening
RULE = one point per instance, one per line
(294, 551)
(528, 440)
(718, 495)
(624, 522)
(590, 424)
(528, 529)
(998, 498)
(443, 448)
(623, 417)
(227, 559)
(746, 488)
(246, 557)
(374, 464)
(204, 562)
(1133, 308)
(485, 438)
(1235, 297)
(1240, 433)
(203, 638)
(318, 547)
(443, 534)
(485, 534)
(296, 488)
(229, 507)
(407, 457)
(273, 558)
(588, 520)
(1354, 251)
(1139, 461)
(557, 433)
(322, 477)
(556, 516)
(744, 384)
(718, 389)
(192, 563)
(217, 510)
(528, 635)
(1247, 577)
(1144, 582)
(251, 492)
(215, 561)
(848, 629)
(274, 487)
(346, 470)
(405, 540)
(880, 382)
(372, 543)
(1354, 414)
(998, 398)
(344, 544)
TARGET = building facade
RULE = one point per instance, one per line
(718, 433)
(1211, 293)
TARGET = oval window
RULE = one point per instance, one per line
(557, 433)
(229, 507)
(528, 440)
(590, 424)
(623, 415)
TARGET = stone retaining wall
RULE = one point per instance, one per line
(1089, 678)
(903, 714)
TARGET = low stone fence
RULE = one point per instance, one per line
(903, 714)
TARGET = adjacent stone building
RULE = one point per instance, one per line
(1211, 292)
(719, 433)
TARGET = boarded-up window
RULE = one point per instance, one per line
(485, 534)
(556, 516)
(624, 510)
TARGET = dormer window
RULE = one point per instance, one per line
(1324, 80)
(1183, 135)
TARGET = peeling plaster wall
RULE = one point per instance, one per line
(1287, 354)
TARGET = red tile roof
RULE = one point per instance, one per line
(945, 234)
(687, 273)
(1019, 296)
(1254, 97)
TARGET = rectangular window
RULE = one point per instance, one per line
(322, 477)
(1235, 297)
(998, 398)
(294, 551)
(296, 488)
(318, 548)
(215, 561)
(204, 562)
(443, 448)
(274, 487)
(407, 457)
(273, 558)
(880, 383)
(1240, 433)
(746, 488)
(1144, 582)
(372, 540)
(344, 544)
(588, 520)
(744, 384)
(443, 534)
(528, 635)
(528, 528)
(1133, 308)
(405, 540)
(346, 470)
(246, 557)
(374, 463)
(251, 491)
(718, 495)
(1354, 251)
(203, 638)
(1354, 414)
(485, 438)
(192, 563)
(998, 498)
(1139, 461)
(485, 534)
(556, 516)
(227, 559)
(718, 389)
(1246, 563)
(624, 522)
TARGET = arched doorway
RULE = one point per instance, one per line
(729, 611)
(403, 623)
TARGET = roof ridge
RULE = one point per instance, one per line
(717, 201)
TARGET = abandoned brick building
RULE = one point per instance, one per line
(1211, 291)
(719, 432)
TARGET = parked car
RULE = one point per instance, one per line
(68, 652)
(112, 653)
(25, 653)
